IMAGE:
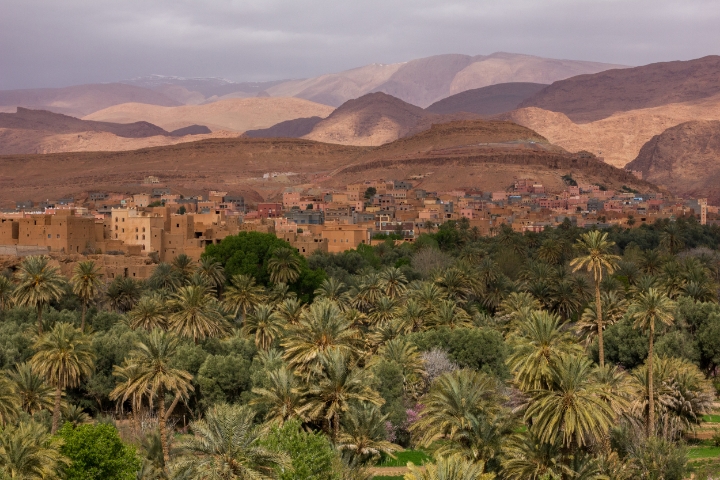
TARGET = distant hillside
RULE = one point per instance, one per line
(81, 100)
(587, 98)
(288, 129)
(487, 101)
(685, 159)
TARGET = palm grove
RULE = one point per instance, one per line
(556, 355)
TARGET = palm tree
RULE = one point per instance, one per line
(265, 325)
(183, 265)
(321, 330)
(363, 435)
(597, 256)
(197, 314)
(148, 313)
(123, 292)
(38, 284)
(528, 458)
(290, 310)
(647, 309)
(449, 468)
(368, 292)
(7, 289)
(428, 295)
(164, 277)
(28, 452)
(86, 283)
(154, 374)
(334, 290)
(551, 251)
(393, 282)
(125, 390)
(383, 311)
(565, 300)
(406, 355)
(449, 314)
(9, 402)
(573, 408)
(613, 309)
(226, 445)
(284, 265)
(671, 238)
(243, 294)
(64, 356)
(212, 271)
(340, 384)
(282, 397)
(75, 415)
(34, 393)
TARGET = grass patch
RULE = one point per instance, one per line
(388, 478)
(711, 418)
(703, 452)
(401, 459)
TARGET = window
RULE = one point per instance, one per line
(116, 235)
(143, 237)
(49, 236)
(123, 230)
(123, 219)
(143, 229)
(58, 235)
(116, 219)
(136, 229)
(116, 227)
(136, 237)
(178, 225)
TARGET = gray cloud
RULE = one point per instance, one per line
(56, 43)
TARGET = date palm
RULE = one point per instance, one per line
(384, 310)
(28, 452)
(528, 458)
(10, 401)
(551, 251)
(406, 355)
(284, 265)
(428, 295)
(290, 310)
(154, 374)
(86, 283)
(196, 314)
(148, 313)
(63, 356)
(226, 445)
(412, 316)
(184, 266)
(648, 309)
(363, 435)
(282, 397)
(38, 284)
(597, 257)
(368, 292)
(243, 294)
(393, 282)
(340, 384)
(164, 277)
(450, 314)
(212, 271)
(123, 292)
(565, 300)
(334, 290)
(449, 468)
(34, 393)
(671, 238)
(572, 409)
(613, 309)
(265, 325)
(125, 390)
(7, 289)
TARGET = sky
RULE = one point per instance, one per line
(51, 43)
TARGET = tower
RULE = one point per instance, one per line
(703, 210)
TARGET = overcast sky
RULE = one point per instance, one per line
(45, 43)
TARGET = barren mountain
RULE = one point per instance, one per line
(587, 98)
(80, 100)
(237, 115)
(685, 159)
(426, 80)
(289, 129)
(491, 100)
(485, 155)
(619, 137)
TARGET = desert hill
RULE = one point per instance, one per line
(80, 100)
(481, 154)
(685, 159)
(236, 115)
(296, 128)
(486, 101)
(619, 137)
(587, 98)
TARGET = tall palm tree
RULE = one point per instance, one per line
(38, 284)
(148, 313)
(428, 295)
(449, 314)
(7, 289)
(34, 393)
(28, 452)
(340, 384)
(196, 314)
(363, 435)
(671, 238)
(126, 390)
(406, 355)
(648, 309)
(86, 283)
(282, 397)
(123, 292)
(613, 309)
(152, 361)
(63, 356)
(212, 271)
(243, 294)
(596, 257)
(334, 290)
(226, 445)
(383, 311)
(573, 408)
(526, 457)
(184, 266)
(9, 401)
(393, 282)
(284, 265)
(290, 310)
(165, 277)
(265, 325)
(449, 468)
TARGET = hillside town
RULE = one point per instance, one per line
(129, 234)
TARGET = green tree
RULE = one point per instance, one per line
(196, 314)
(449, 468)
(148, 313)
(38, 284)
(28, 452)
(246, 253)
(227, 444)
(282, 397)
(10, 402)
(7, 290)
(212, 271)
(596, 257)
(86, 283)
(284, 265)
(63, 357)
(35, 395)
(243, 294)
(648, 309)
(265, 325)
(97, 453)
(369, 193)
(363, 436)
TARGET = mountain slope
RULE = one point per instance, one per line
(685, 159)
(491, 100)
(587, 98)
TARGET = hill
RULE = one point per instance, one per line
(238, 114)
(81, 100)
(485, 155)
(486, 101)
(684, 159)
(587, 98)
(288, 129)
(619, 137)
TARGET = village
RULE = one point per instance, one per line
(129, 234)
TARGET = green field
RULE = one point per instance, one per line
(711, 418)
(704, 451)
(387, 478)
(401, 459)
